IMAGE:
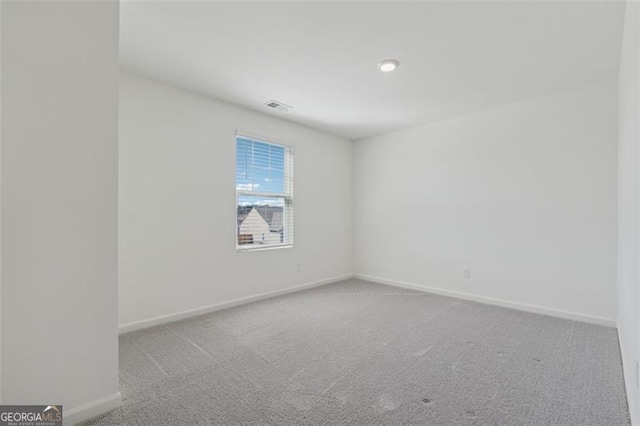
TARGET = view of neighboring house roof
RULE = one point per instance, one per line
(277, 221)
(243, 212)
(273, 215)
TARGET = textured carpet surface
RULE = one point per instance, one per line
(366, 354)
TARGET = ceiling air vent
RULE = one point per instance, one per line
(278, 105)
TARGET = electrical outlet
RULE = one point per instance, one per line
(298, 267)
(466, 272)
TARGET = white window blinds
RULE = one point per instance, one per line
(264, 194)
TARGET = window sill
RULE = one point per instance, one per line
(240, 249)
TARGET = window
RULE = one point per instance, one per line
(264, 194)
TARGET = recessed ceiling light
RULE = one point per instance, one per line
(388, 65)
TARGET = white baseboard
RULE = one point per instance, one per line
(138, 325)
(91, 409)
(491, 301)
(629, 372)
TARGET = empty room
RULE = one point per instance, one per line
(319, 213)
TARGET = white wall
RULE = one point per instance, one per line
(59, 205)
(523, 194)
(177, 204)
(628, 205)
(1, 400)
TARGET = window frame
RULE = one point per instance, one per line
(286, 196)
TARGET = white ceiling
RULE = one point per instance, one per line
(455, 58)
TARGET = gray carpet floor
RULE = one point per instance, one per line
(366, 354)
